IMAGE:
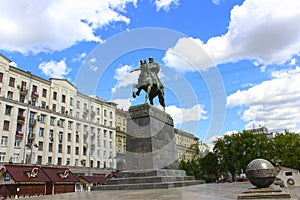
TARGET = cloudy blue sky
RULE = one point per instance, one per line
(226, 65)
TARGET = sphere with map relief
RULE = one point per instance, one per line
(260, 173)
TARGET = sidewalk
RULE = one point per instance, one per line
(223, 191)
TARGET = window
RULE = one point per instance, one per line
(84, 151)
(63, 98)
(60, 148)
(59, 161)
(69, 137)
(62, 110)
(11, 82)
(52, 121)
(34, 88)
(71, 112)
(6, 125)
(54, 107)
(41, 132)
(42, 118)
(60, 123)
(70, 125)
(105, 122)
(54, 95)
(60, 136)
(15, 157)
(68, 161)
(4, 141)
(85, 106)
(77, 138)
(110, 123)
(10, 95)
(104, 133)
(104, 143)
(8, 110)
(51, 134)
(40, 147)
(49, 160)
(43, 104)
(98, 111)
(110, 134)
(50, 147)
(17, 143)
(110, 144)
(6, 177)
(76, 162)
(68, 149)
(78, 104)
(71, 101)
(105, 113)
(111, 115)
(1, 77)
(2, 156)
(44, 93)
(104, 154)
(76, 150)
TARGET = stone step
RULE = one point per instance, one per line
(149, 179)
(146, 185)
(146, 173)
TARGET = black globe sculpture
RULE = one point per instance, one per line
(260, 173)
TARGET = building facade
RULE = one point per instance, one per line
(260, 130)
(121, 129)
(184, 141)
(50, 122)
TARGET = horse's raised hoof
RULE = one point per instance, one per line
(133, 95)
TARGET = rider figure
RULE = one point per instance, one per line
(154, 68)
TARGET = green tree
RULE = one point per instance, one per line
(287, 149)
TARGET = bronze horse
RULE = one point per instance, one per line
(151, 92)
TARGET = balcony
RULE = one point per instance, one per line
(35, 94)
(23, 89)
(19, 134)
(85, 111)
(32, 121)
(21, 119)
(31, 136)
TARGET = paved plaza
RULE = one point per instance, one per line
(223, 191)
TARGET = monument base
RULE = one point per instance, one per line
(150, 139)
(149, 179)
(151, 160)
(272, 192)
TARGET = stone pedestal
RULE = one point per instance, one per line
(151, 160)
(150, 139)
(272, 192)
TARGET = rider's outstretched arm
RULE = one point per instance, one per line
(137, 69)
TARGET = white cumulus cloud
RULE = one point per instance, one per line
(55, 25)
(123, 103)
(273, 103)
(265, 32)
(181, 115)
(55, 69)
(124, 77)
(166, 5)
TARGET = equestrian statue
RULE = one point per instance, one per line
(149, 82)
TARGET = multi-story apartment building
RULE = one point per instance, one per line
(260, 130)
(121, 129)
(50, 122)
(184, 141)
